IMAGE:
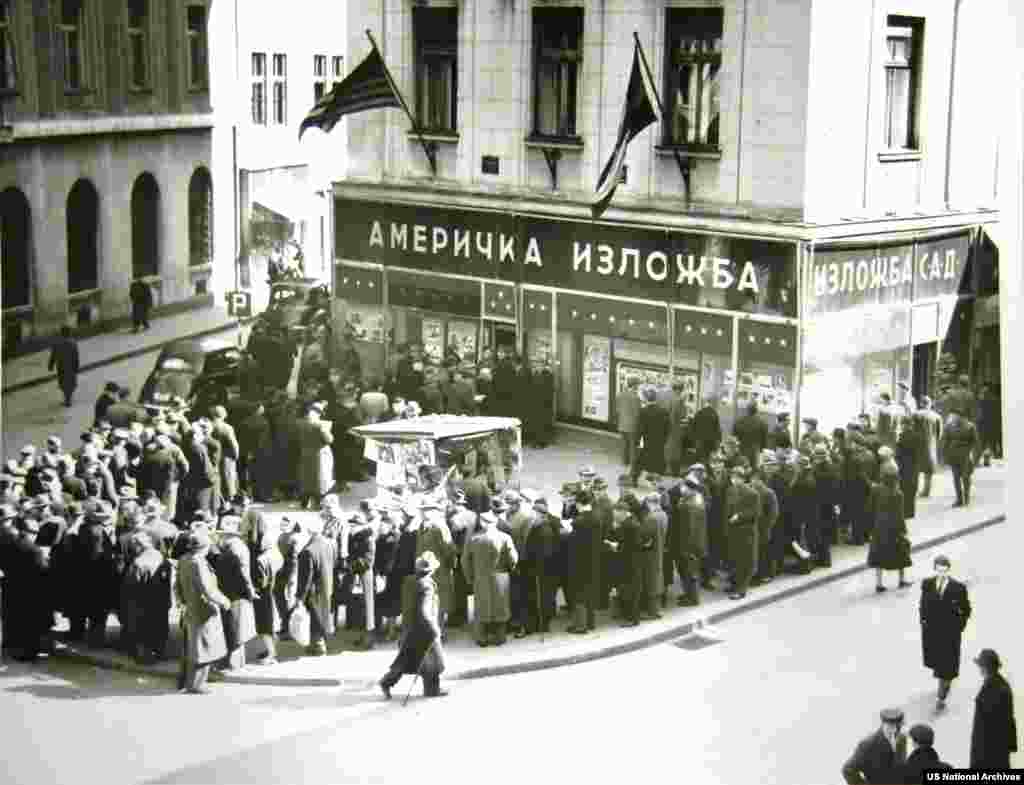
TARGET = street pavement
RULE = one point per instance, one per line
(776, 696)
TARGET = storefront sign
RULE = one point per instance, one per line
(596, 377)
(707, 270)
(844, 278)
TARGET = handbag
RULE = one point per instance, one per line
(298, 625)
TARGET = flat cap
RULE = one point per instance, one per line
(891, 715)
(811, 421)
(989, 659)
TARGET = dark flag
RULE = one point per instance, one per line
(638, 112)
(369, 86)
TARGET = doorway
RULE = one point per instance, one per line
(924, 368)
(501, 335)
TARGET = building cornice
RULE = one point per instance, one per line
(698, 219)
(107, 124)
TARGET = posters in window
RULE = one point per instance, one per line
(596, 377)
(538, 348)
(657, 378)
(462, 335)
(367, 322)
(433, 339)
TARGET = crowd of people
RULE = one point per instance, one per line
(151, 512)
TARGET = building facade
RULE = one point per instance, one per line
(106, 172)
(279, 65)
(811, 223)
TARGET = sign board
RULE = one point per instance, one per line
(715, 271)
(239, 304)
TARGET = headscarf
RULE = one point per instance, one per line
(255, 528)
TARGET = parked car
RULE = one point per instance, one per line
(204, 372)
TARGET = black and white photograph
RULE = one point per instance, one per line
(389, 385)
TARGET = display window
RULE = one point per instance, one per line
(767, 369)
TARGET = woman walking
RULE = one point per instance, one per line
(890, 546)
(265, 562)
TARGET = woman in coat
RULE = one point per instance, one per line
(890, 546)
(994, 731)
(420, 651)
(202, 600)
(146, 599)
(316, 469)
(386, 605)
(287, 579)
(234, 575)
(265, 562)
(316, 590)
(488, 562)
(908, 451)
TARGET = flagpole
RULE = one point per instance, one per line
(684, 168)
(401, 100)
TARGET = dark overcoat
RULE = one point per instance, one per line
(875, 761)
(64, 359)
(890, 546)
(994, 732)
(585, 549)
(234, 574)
(316, 582)
(421, 630)
(943, 619)
(488, 560)
(653, 429)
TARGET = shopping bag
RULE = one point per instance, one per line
(298, 625)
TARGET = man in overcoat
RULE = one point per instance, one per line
(234, 576)
(769, 516)
(944, 611)
(707, 431)
(198, 483)
(959, 443)
(316, 590)
(931, 431)
(64, 359)
(690, 541)
(652, 430)
(653, 523)
(316, 461)
(435, 536)
(488, 561)
(625, 541)
(627, 410)
(742, 511)
(994, 732)
(95, 568)
(224, 434)
(420, 650)
(146, 593)
(877, 760)
(752, 432)
(539, 566)
(585, 552)
(202, 601)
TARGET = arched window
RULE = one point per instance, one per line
(200, 217)
(16, 223)
(145, 226)
(83, 217)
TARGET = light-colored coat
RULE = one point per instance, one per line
(931, 427)
(654, 527)
(196, 589)
(489, 558)
(627, 410)
(435, 536)
(316, 462)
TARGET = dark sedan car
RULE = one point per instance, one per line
(203, 372)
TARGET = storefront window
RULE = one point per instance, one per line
(767, 372)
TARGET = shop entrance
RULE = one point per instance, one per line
(500, 335)
(924, 368)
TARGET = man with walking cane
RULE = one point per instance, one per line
(420, 652)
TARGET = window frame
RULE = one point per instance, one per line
(544, 18)
(279, 88)
(915, 26)
(337, 70)
(196, 40)
(434, 52)
(258, 79)
(319, 77)
(710, 30)
(81, 85)
(131, 34)
(8, 51)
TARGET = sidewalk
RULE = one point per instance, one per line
(934, 524)
(95, 351)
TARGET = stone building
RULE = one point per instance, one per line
(811, 223)
(105, 174)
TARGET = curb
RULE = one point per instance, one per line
(116, 358)
(613, 650)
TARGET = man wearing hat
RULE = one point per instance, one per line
(652, 429)
(539, 567)
(716, 483)
(435, 536)
(780, 437)
(812, 435)
(877, 760)
(627, 411)
(827, 487)
(107, 398)
(146, 598)
(930, 425)
(421, 651)
(97, 585)
(488, 561)
(688, 533)
(315, 588)
(29, 618)
(752, 433)
(888, 420)
(994, 731)
(944, 611)
(202, 603)
(742, 512)
(769, 517)
(224, 434)
(959, 445)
